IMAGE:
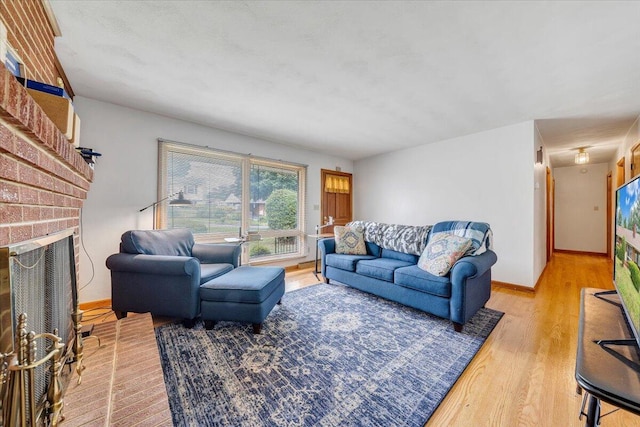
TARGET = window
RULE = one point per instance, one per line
(233, 194)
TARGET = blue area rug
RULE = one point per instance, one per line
(329, 355)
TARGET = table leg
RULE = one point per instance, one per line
(315, 270)
(593, 412)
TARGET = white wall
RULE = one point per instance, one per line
(539, 207)
(581, 207)
(126, 176)
(486, 176)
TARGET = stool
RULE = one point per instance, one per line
(245, 294)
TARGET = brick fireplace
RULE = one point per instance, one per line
(43, 180)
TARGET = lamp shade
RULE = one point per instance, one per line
(181, 201)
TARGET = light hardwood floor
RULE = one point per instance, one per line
(524, 373)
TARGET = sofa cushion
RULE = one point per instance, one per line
(400, 256)
(442, 251)
(211, 271)
(349, 240)
(413, 277)
(177, 241)
(245, 284)
(380, 268)
(345, 262)
(479, 232)
(372, 248)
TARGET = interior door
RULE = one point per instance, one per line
(635, 160)
(337, 198)
(550, 218)
(620, 173)
(609, 224)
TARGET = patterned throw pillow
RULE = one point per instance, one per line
(349, 240)
(442, 251)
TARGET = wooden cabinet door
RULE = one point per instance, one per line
(336, 202)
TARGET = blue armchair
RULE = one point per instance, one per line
(161, 271)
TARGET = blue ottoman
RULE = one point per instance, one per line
(245, 294)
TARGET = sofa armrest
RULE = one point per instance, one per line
(209, 253)
(470, 286)
(326, 246)
(168, 265)
(473, 266)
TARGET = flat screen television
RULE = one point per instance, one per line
(626, 273)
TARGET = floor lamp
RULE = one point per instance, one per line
(180, 201)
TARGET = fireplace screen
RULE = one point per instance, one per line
(38, 278)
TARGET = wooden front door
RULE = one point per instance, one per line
(337, 198)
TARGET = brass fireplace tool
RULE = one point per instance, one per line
(18, 403)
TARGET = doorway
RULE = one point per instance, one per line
(609, 212)
(337, 197)
(550, 219)
(620, 172)
(635, 161)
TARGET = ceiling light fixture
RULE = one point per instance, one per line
(582, 157)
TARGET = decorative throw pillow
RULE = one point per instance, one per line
(442, 251)
(349, 240)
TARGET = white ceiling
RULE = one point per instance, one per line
(365, 77)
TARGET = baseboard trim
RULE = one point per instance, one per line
(290, 268)
(92, 305)
(306, 264)
(512, 286)
(569, 251)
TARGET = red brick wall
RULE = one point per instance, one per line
(31, 35)
(43, 180)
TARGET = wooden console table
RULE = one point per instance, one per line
(608, 362)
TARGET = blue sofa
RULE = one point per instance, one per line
(389, 269)
(160, 271)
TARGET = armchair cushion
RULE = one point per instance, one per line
(178, 242)
(217, 253)
(211, 271)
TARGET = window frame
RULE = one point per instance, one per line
(246, 161)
